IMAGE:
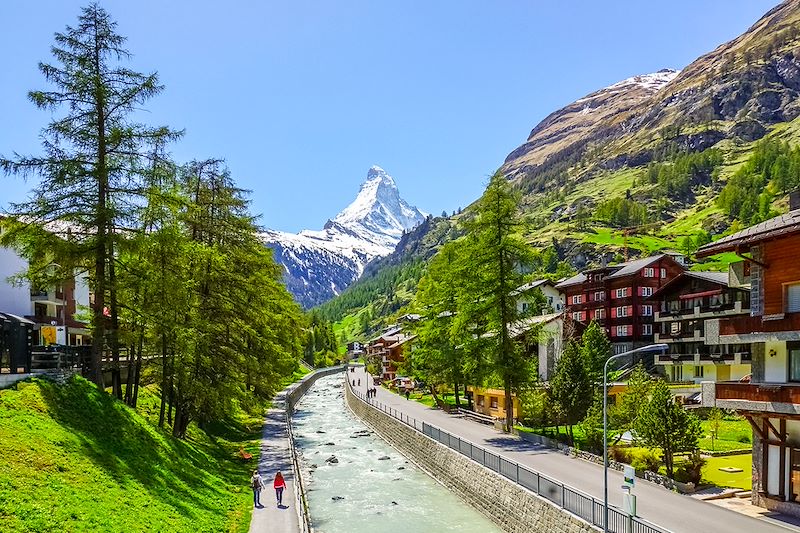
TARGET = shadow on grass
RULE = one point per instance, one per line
(122, 443)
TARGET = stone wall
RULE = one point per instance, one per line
(294, 393)
(513, 508)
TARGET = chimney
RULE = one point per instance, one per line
(794, 200)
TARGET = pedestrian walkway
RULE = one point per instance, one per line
(275, 456)
(670, 510)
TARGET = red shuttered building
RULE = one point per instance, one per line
(617, 297)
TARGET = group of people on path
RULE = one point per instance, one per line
(371, 392)
(257, 483)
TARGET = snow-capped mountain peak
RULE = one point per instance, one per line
(320, 264)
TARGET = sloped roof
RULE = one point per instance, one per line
(521, 326)
(632, 267)
(720, 278)
(574, 280)
(532, 285)
(769, 229)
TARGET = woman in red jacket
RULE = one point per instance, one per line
(279, 485)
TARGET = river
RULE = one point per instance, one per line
(372, 488)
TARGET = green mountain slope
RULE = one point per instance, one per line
(662, 161)
(74, 459)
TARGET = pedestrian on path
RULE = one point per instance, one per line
(256, 483)
(408, 393)
(279, 485)
(359, 382)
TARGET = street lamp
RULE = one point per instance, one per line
(648, 348)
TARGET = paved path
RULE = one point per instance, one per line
(275, 456)
(667, 509)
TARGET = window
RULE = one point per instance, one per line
(599, 314)
(677, 373)
(647, 291)
(794, 360)
(621, 293)
(698, 371)
(622, 311)
(622, 331)
(493, 405)
(649, 272)
(576, 315)
(480, 400)
(647, 310)
(599, 296)
(792, 298)
(647, 329)
(663, 272)
(576, 299)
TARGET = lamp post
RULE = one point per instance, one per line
(648, 348)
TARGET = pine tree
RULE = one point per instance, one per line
(91, 169)
(664, 424)
(571, 387)
(595, 349)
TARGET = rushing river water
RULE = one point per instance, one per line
(372, 488)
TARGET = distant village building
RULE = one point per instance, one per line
(689, 310)
(388, 350)
(552, 297)
(618, 298)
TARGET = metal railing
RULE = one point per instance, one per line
(300, 491)
(576, 502)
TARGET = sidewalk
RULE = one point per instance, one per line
(275, 456)
(656, 504)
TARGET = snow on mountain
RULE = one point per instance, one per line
(653, 81)
(318, 265)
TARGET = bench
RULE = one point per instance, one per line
(478, 417)
(244, 455)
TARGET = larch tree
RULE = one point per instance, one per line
(571, 388)
(91, 168)
(495, 258)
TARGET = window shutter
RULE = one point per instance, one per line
(630, 310)
(613, 312)
(793, 298)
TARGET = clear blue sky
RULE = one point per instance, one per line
(301, 97)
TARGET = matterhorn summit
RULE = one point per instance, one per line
(318, 265)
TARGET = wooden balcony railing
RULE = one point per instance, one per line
(759, 392)
(744, 325)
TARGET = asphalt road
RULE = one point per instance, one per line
(655, 503)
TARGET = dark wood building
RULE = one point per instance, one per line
(770, 400)
(689, 309)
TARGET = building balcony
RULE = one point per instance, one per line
(697, 359)
(52, 297)
(782, 326)
(683, 336)
(782, 398)
(704, 311)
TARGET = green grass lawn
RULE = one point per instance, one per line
(742, 480)
(733, 435)
(74, 459)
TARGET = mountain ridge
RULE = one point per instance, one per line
(319, 264)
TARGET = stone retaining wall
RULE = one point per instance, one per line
(510, 506)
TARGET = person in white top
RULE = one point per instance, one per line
(256, 484)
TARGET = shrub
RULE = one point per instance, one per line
(646, 460)
(691, 470)
(744, 438)
(620, 455)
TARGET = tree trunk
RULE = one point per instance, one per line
(116, 374)
(138, 376)
(129, 381)
(164, 380)
(455, 387)
(509, 406)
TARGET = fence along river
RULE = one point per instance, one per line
(370, 488)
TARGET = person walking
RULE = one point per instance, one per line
(408, 393)
(279, 485)
(256, 483)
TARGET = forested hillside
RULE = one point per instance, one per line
(669, 160)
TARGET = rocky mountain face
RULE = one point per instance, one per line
(735, 92)
(318, 265)
(599, 147)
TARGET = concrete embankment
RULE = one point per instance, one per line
(512, 507)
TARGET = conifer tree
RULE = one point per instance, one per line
(91, 168)
(495, 256)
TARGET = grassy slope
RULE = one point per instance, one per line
(74, 459)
